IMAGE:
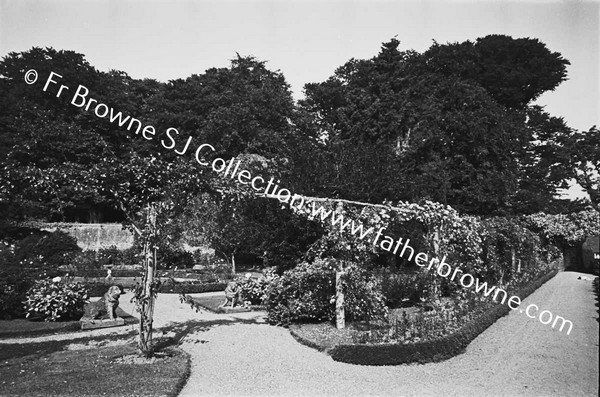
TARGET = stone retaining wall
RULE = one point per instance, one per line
(93, 236)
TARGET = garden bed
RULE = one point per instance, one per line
(337, 343)
(109, 370)
(25, 328)
(98, 288)
(213, 304)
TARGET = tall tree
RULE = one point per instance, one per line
(584, 149)
(513, 71)
(43, 134)
(245, 108)
(452, 120)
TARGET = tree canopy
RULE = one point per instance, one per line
(454, 124)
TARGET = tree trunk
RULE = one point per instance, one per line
(435, 281)
(233, 264)
(340, 313)
(146, 304)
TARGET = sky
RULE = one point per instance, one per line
(305, 40)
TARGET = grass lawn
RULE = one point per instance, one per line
(213, 304)
(108, 370)
(24, 327)
(210, 303)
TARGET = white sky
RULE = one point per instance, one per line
(306, 40)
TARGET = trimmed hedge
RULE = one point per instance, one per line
(428, 351)
(101, 273)
(99, 289)
(192, 288)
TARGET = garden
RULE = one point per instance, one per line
(345, 293)
(474, 171)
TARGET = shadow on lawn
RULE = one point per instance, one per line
(180, 330)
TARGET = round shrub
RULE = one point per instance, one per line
(255, 290)
(52, 300)
(307, 293)
(175, 258)
(12, 294)
(47, 250)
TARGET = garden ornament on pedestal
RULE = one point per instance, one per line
(103, 308)
(232, 294)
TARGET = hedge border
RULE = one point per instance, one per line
(99, 289)
(429, 351)
(192, 288)
(305, 341)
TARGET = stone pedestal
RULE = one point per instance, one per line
(95, 324)
(236, 309)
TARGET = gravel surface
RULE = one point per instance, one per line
(515, 356)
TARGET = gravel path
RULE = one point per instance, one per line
(515, 356)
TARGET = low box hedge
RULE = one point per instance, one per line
(192, 288)
(433, 350)
(99, 289)
(102, 273)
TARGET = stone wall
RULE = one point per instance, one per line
(93, 236)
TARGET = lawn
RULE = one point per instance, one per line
(90, 370)
(23, 327)
(210, 303)
(213, 304)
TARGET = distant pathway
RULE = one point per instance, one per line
(515, 356)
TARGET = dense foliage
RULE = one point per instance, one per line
(435, 143)
(453, 125)
(55, 300)
(307, 292)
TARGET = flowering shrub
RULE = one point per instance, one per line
(307, 293)
(255, 291)
(111, 256)
(54, 300)
(402, 289)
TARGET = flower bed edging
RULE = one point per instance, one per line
(305, 341)
(429, 351)
(192, 288)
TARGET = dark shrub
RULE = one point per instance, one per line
(83, 263)
(185, 288)
(307, 293)
(46, 250)
(11, 233)
(114, 257)
(175, 258)
(13, 290)
(400, 289)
